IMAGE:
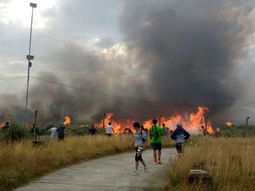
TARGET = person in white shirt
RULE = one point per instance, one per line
(54, 133)
(109, 131)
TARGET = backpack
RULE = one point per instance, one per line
(143, 139)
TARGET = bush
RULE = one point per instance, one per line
(15, 133)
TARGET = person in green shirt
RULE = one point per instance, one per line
(155, 133)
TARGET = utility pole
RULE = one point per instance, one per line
(29, 58)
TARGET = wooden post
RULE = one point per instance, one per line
(206, 121)
(159, 121)
(247, 123)
(34, 125)
(103, 122)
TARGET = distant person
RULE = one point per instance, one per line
(203, 130)
(92, 130)
(61, 132)
(180, 135)
(165, 129)
(54, 133)
(109, 131)
(139, 143)
(6, 126)
(156, 133)
(7, 130)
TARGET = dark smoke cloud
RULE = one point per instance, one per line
(86, 84)
(180, 54)
(192, 47)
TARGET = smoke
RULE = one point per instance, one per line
(88, 83)
(192, 48)
(175, 55)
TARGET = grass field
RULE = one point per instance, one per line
(21, 162)
(229, 161)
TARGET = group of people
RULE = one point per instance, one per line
(155, 133)
(57, 132)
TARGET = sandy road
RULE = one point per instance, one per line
(110, 173)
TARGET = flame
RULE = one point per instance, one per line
(67, 120)
(125, 125)
(191, 122)
(229, 124)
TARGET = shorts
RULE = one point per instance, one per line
(138, 154)
(156, 146)
(108, 134)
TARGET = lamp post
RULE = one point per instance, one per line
(29, 58)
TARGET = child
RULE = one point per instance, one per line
(139, 142)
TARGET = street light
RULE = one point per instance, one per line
(29, 58)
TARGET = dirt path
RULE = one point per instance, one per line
(109, 173)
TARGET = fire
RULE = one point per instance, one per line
(229, 124)
(67, 120)
(192, 122)
(118, 126)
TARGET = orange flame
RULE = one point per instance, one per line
(229, 124)
(67, 120)
(192, 122)
(118, 126)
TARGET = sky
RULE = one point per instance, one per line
(135, 58)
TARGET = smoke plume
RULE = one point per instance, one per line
(175, 55)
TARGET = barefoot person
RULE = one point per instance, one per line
(156, 133)
(139, 142)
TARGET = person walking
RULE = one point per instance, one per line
(109, 131)
(61, 132)
(165, 129)
(180, 135)
(54, 133)
(155, 133)
(139, 143)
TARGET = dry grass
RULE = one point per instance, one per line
(21, 162)
(230, 162)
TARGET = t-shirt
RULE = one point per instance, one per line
(139, 136)
(108, 129)
(54, 132)
(155, 133)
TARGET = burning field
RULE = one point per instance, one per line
(195, 122)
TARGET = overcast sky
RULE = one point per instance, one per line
(81, 42)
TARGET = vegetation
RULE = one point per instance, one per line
(21, 162)
(236, 131)
(229, 161)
